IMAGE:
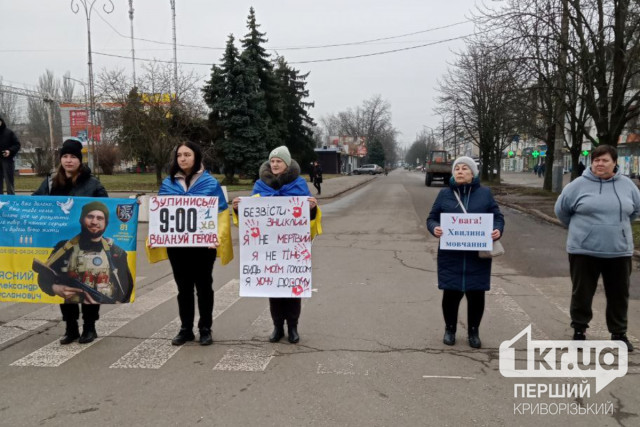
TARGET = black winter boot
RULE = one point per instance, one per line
(88, 333)
(449, 335)
(622, 337)
(277, 334)
(71, 333)
(474, 337)
(293, 334)
(578, 334)
(183, 336)
(205, 336)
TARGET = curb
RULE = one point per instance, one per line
(338, 193)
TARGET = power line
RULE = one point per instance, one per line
(290, 47)
(313, 60)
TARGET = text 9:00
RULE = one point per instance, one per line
(183, 219)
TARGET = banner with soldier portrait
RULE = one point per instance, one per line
(67, 249)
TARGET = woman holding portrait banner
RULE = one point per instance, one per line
(73, 178)
(280, 176)
(193, 266)
(463, 272)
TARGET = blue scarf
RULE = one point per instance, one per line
(297, 187)
(206, 185)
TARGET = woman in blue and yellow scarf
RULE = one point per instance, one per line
(193, 266)
(280, 176)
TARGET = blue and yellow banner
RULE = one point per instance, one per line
(67, 249)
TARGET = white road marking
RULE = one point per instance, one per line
(448, 377)
(512, 309)
(154, 352)
(54, 354)
(252, 356)
(29, 322)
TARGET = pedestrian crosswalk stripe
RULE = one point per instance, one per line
(251, 356)
(54, 354)
(29, 322)
(154, 352)
(511, 307)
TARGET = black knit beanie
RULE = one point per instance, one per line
(73, 147)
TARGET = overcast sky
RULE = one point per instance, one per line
(46, 34)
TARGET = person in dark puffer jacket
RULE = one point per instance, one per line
(73, 178)
(463, 273)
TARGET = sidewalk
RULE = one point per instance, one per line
(330, 187)
(529, 179)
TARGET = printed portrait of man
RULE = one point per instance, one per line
(87, 268)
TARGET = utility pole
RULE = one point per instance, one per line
(87, 5)
(558, 163)
(175, 50)
(49, 103)
(133, 51)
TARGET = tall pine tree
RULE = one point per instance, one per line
(255, 56)
(293, 92)
(238, 109)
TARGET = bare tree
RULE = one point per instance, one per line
(152, 118)
(483, 88)
(8, 105)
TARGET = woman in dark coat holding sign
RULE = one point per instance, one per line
(280, 176)
(193, 266)
(463, 273)
(74, 179)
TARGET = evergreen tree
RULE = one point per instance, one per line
(299, 133)
(238, 109)
(376, 152)
(255, 56)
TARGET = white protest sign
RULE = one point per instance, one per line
(183, 221)
(275, 247)
(466, 232)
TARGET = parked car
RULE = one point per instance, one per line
(370, 169)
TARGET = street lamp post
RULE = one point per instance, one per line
(87, 5)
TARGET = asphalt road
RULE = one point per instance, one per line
(371, 351)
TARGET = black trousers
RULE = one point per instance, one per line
(193, 267)
(71, 312)
(316, 184)
(6, 174)
(451, 303)
(585, 271)
(285, 309)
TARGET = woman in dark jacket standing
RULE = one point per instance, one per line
(193, 266)
(463, 273)
(280, 176)
(74, 179)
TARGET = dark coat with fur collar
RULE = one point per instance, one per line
(276, 182)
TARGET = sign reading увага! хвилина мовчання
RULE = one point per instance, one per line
(466, 232)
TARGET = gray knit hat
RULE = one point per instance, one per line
(282, 153)
(465, 160)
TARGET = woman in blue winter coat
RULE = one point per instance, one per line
(463, 273)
